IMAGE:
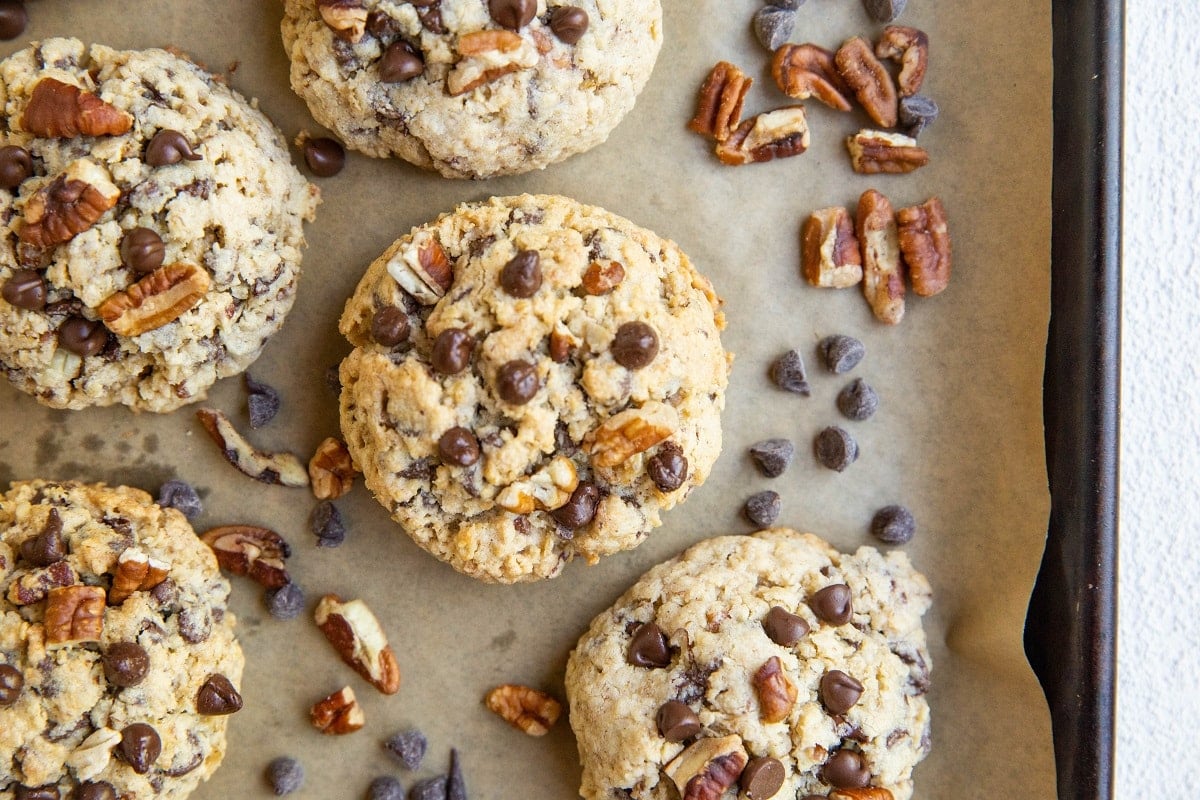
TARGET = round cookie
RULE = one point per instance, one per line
(532, 380)
(729, 659)
(97, 145)
(471, 88)
(118, 662)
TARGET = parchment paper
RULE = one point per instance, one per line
(958, 436)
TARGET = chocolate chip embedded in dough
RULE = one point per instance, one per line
(142, 250)
(517, 382)
(169, 147)
(783, 627)
(452, 351)
(400, 62)
(99, 790)
(839, 691)
(325, 157)
(390, 326)
(635, 345)
(48, 546)
(580, 509)
(522, 275)
(677, 722)
(15, 164)
(833, 604)
(26, 288)
(83, 337)
(140, 747)
(762, 778)
(49, 792)
(125, 663)
(846, 769)
(512, 14)
(458, 447)
(11, 684)
(668, 468)
(218, 697)
(648, 647)
(569, 23)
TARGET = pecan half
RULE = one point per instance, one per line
(346, 18)
(422, 268)
(909, 47)
(60, 110)
(486, 56)
(257, 552)
(338, 714)
(74, 614)
(872, 152)
(136, 572)
(630, 432)
(829, 250)
(805, 70)
(330, 470)
(708, 767)
(776, 134)
(548, 488)
(93, 754)
(281, 468)
(68, 205)
(32, 587)
(869, 80)
(719, 107)
(158, 299)
(865, 793)
(776, 694)
(925, 245)
(883, 272)
(357, 637)
(526, 709)
(602, 277)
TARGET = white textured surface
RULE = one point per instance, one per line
(1158, 704)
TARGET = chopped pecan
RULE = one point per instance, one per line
(422, 268)
(708, 767)
(865, 793)
(829, 249)
(93, 754)
(562, 344)
(249, 550)
(719, 108)
(869, 80)
(280, 468)
(910, 47)
(346, 18)
(60, 110)
(160, 298)
(526, 709)
(32, 587)
(68, 205)
(776, 134)
(548, 488)
(136, 572)
(872, 152)
(630, 432)
(486, 56)
(603, 276)
(330, 470)
(776, 694)
(883, 272)
(925, 245)
(74, 614)
(356, 635)
(338, 714)
(805, 70)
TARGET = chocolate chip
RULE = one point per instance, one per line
(100, 790)
(648, 647)
(400, 62)
(218, 697)
(787, 372)
(142, 250)
(835, 448)
(26, 289)
(677, 722)
(169, 147)
(884, 10)
(83, 337)
(839, 691)
(11, 684)
(180, 496)
(390, 326)
(763, 508)
(916, 113)
(773, 26)
(326, 523)
(325, 157)
(285, 775)
(517, 382)
(762, 778)
(125, 663)
(772, 456)
(15, 162)
(893, 525)
(429, 789)
(841, 353)
(49, 792)
(668, 468)
(430, 14)
(833, 604)
(48, 546)
(385, 788)
(635, 345)
(845, 769)
(456, 785)
(458, 446)
(140, 747)
(569, 23)
(522, 275)
(409, 747)
(333, 378)
(857, 400)
(580, 509)
(286, 602)
(790, 5)
(452, 351)
(783, 627)
(512, 14)
(262, 402)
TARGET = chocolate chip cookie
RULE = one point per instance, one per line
(471, 88)
(152, 227)
(768, 662)
(532, 380)
(118, 663)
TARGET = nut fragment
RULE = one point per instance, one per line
(93, 754)
(829, 249)
(526, 709)
(865, 793)
(548, 488)
(708, 767)
(925, 245)
(136, 572)
(883, 276)
(280, 468)
(356, 635)
(720, 102)
(872, 152)
(805, 70)
(910, 47)
(776, 694)
(422, 268)
(603, 276)
(630, 432)
(330, 470)
(486, 56)
(58, 109)
(160, 298)
(249, 550)
(74, 614)
(68, 205)
(338, 714)
(776, 134)
(347, 18)
(869, 80)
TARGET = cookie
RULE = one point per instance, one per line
(118, 662)
(532, 380)
(771, 660)
(153, 227)
(471, 88)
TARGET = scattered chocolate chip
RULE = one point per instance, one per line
(140, 747)
(326, 523)
(262, 402)
(409, 747)
(390, 326)
(788, 373)
(142, 250)
(48, 546)
(517, 382)
(400, 62)
(790, 5)
(762, 778)
(893, 525)
(180, 496)
(325, 157)
(218, 697)
(429, 789)
(857, 400)
(385, 788)
(762, 509)
(125, 663)
(333, 378)
(668, 468)
(772, 456)
(833, 604)
(841, 353)
(835, 448)
(26, 288)
(456, 785)
(11, 684)
(83, 337)
(581, 508)
(48, 792)
(783, 627)
(569, 23)
(13, 19)
(169, 147)
(512, 14)
(773, 26)
(522, 275)
(648, 647)
(677, 722)
(15, 162)
(100, 790)
(285, 775)
(635, 345)
(839, 691)
(884, 10)
(451, 351)
(916, 113)
(286, 602)
(458, 446)
(845, 769)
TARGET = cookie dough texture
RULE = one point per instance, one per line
(711, 602)
(395, 406)
(561, 98)
(182, 624)
(236, 212)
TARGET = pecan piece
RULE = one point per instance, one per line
(346, 18)
(719, 108)
(630, 432)
(281, 468)
(869, 80)
(68, 205)
(158, 299)
(872, 152)
(829, 249)
(422, 268)
(602, 277)
(330, 470)
(776, 694)
(74, 614)
(249, 550)
(909, 47)
(925, 245)
(865, 793)
(776, 134)
(528, 710)
(60, 110)
(883, 275)
(93, 754)
(136, 572)
(708, 767)
(338, 714)
(356, 635)
(548, 488)
(805, 70)
(486, 56)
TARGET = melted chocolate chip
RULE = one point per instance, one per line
(522, 275)
(26, 289)
(142, 250)
(11, 684)
(668, 468)
(140, 747)
(126, 663)
(635, 345)
(517, 382)
(452, 351)
(390, 326)
(677, 722)
(324, 157)
(839, 691)
(48, 546)
(169, 147)
(648, 647)
(96, 791)
(458, 446)
(400, 62)
(569, 23)
(832, 604)
(218, 697)
(512, 14)
(783, 627)
(762, 778)
(581, 508)
(83, 337)
(845, 769)
(36, 793)
(15, 162)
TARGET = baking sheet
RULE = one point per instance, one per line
(958, 437)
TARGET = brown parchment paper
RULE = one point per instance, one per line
(958, 436)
